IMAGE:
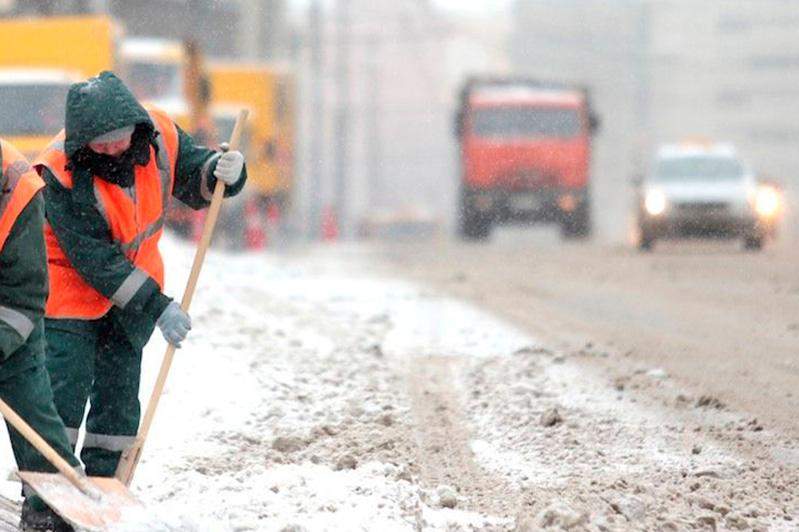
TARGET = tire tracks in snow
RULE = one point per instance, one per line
(442, 435)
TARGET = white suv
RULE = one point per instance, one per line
(705, 191)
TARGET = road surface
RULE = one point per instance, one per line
(721, 321)
(515, 386)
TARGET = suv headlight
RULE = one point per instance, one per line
(655, 202)
(767, 201)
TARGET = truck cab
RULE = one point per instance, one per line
(705, 190)
(525, 152)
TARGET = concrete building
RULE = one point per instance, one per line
(729, 70)
(665, 70)
(404, 62)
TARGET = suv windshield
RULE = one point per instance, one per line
(32, 109)
(526, 122)
(699, 168)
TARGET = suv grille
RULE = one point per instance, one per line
(704, 207)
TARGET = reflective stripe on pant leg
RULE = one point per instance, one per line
(107, 442)
(114, 400)
(73, 434)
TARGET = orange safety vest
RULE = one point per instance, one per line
(135, 217)
(19, 185)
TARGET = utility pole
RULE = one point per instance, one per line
(342, 120)
(315, 25)
(375, 185)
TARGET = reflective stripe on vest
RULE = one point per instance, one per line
(135, 219)
(18, 185)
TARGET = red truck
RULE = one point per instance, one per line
(525, 151)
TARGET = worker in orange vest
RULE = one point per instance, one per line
(24, 383)
(110, 176)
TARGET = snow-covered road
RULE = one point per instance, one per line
(315, 394)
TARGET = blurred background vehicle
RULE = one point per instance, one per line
(204, 100)
(154, 71)
(266, 91)
(525, 150)
(366, 92)
(39, 58)
(409, 224)
(25, 89)
(705, 190)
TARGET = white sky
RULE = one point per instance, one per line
(474, 6)
(464, 6)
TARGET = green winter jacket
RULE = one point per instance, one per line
(95, 107)
(23, 287)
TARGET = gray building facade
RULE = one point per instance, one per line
(667, 70)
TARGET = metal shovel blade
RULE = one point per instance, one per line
(80, 510)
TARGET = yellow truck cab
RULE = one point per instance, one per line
(267, 92)
(86, 44)
(39, 59)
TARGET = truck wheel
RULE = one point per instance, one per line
(753, 242)
(578, 224)
(646, 241)
(472, 223)
(475, 227)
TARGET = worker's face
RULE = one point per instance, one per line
(113, 148)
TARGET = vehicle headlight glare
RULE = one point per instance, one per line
(767, 201)
(655, 203)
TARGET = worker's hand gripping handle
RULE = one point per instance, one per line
(130, 458)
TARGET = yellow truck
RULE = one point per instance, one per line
(267, 92)
(39, 59)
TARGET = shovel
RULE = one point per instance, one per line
(130, 458)
(87, 503)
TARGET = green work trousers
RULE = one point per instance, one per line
(95, 361)
(28, 393)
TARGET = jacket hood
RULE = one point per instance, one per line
(97, 106)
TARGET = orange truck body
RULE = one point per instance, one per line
(525, 150)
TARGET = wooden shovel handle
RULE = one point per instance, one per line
(130, 458)
(78, 480)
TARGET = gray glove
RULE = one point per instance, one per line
(229, 166)
(174, 323)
